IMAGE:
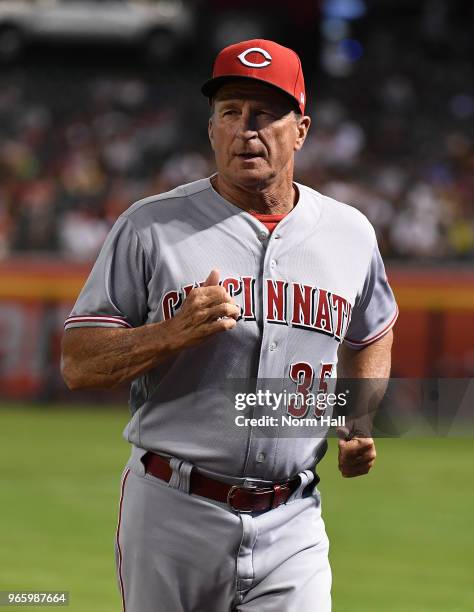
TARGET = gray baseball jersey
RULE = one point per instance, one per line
(316, 281)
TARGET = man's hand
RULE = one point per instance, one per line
(357, 449)
(356, 455)
(102, 358)
(206, 311)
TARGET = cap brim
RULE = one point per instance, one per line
(210, 87)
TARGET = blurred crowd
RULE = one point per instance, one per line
(394, 139)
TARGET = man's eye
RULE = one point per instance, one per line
(229, 112)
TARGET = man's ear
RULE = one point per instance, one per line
(302, 127)
(210, 131)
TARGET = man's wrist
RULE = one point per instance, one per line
(168, 341)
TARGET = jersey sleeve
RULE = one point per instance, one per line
(115, 293)
(375, 310)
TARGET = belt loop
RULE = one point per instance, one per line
(136, 459)
(175, 465)
(305, 477)
(185, 470)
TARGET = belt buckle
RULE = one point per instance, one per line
(234, 488)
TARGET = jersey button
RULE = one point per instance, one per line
(273, 263)
(273, 346)
(263, 236)
(261, 457)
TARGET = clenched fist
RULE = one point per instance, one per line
(356, 455)
(206, 311)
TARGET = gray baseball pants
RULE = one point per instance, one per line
(177, 552)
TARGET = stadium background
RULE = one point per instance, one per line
(87, 129)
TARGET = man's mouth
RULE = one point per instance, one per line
(249, 155)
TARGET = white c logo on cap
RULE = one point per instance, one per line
(266, 62)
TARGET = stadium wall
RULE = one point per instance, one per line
(434, 335)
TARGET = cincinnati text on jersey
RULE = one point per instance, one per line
(294, 304)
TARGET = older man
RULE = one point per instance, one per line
(244, 276)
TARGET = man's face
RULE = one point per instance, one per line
(254, 133)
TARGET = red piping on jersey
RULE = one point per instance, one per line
(122, 594)
(377, 335)
(97, 319)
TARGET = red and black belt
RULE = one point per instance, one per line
(241, 499)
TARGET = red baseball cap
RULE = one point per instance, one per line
(261, 60)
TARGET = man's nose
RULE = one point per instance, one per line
(247, 125)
